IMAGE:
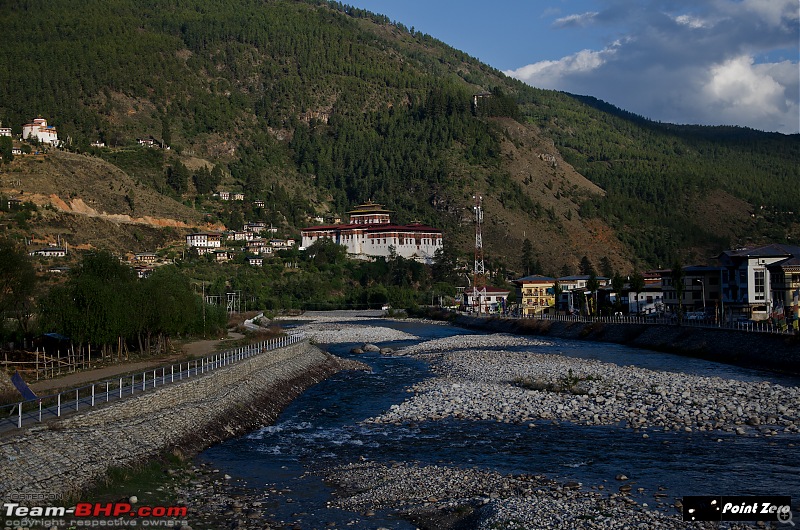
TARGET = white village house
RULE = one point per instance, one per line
(50, 252)
(204, 242)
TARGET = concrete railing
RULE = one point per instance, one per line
(76, 399)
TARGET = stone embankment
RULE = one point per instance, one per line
(764, 351)
(69, 455)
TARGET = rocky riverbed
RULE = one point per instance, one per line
(440, 497)
(479, 377)
(476, 383)
(333, 333)
(432, 497)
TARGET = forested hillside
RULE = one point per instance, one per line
(315, 107)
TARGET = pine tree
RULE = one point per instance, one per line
(527, 257)
(586, 266)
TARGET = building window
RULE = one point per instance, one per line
(758, 285)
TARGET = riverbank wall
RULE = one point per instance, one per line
(61, 458)
(764, 351)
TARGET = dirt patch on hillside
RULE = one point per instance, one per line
(85, 184)
(88, 203)
(86, 232)
(559, 236)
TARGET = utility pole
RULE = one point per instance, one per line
(479, 278)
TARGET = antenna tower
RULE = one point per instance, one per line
(478, 278)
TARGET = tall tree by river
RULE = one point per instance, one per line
(104, 306)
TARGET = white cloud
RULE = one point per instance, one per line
(687, 61)
(581, 20)
(759, 93)
(690, 21)
(549, 74)
(736, 82)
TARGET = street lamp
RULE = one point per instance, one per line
(703, 287)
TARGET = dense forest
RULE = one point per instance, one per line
(316, 106)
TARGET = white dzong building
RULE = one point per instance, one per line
(371, 234)
(39, 130)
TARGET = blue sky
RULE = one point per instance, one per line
(709, 62)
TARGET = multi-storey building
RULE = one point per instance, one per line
(746, 278)
(50, 252)
(785, 285)
(573, 283)
(242, 235)
(255, 227)
(204, 240)
(536, 294)
(146, 257)
(371, 234)
(700, 290)
(40, 131)
(487, 299)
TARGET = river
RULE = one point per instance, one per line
(323, 428)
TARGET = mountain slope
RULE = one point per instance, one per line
(314, 107)
(89, 203)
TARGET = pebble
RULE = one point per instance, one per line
(331, 332)
(500, 501)
(477, 378)
(475, 382)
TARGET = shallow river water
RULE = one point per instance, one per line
(323, 428)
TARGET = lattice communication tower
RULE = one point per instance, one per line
(478, 275)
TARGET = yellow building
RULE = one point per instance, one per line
(536, 294)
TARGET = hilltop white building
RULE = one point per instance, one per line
(371, 234)
(39, 130)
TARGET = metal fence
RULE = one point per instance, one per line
(74, 400)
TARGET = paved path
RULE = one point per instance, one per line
(194, 349)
